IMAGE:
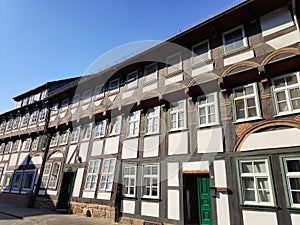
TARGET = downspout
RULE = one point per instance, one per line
(48, 139)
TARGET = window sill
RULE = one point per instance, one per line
(208, 125)
(293, 209)
(132, 137)
(151, 199)
(149, 82)
(202, 63)
(287, 113)
(169, 75)
(178, 130)
(247, 120)
(129, 197)
(233, 52)
(152, 134)
(266, 207)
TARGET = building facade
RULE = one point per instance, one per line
(201, 129)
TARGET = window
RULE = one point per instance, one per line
(54, 175)
(132, 81)
(64, 137)
(107, 175)
(9, 124)
(150, 181)
(92, 175)
(177, 115)
(115, 125)
(234, 40)
(208, 109)
(28, 180)
(44, 94)
(1, 172)
(100, 129)
(151, 72)
(34, 117)
(292, 173)
(75, 134)
(46, 175)
(174, 64)
(27, 144)
(152, 120)
(54, 139)
(16, 184)
(256, 187)
(24, 101)
(129, 180)
(25, 119)
(86, 98)
(246, 102)
(54, 109)
(3, 125)
(8, 147)
(87, 131)
(99, 91)
(113, 86)
(134, 124)
(43, 114)
(64, 105)
(35, 144)
(15, 146)
(75, 101)
(201, 53)
(31, 99)
(7, 180)
(17, 122)
(2, 148)
(286, 90)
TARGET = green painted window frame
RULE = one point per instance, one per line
(273, 196)
(284, 178)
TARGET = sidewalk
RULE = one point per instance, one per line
(16, 215)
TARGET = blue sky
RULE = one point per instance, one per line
(48, 40)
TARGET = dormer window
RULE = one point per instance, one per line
(31, 99)
(234, 40)
(44, 94)
(113, 86)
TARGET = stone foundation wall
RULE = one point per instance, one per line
(93, 210)
(45, 203)
(126, 220)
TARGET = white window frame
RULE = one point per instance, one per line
(246, 97)
(64, 105)
(176, 111)
(25, 119)
(99, 91)
(31, 99)
(46, 175)
(75, 134)
(86, 97)
(16, 145)
(53, 178)
(54, 109)
(292, 175)
(256, 175)
(207, 106)
(151, 76)
(201, 58)
(286, 89)
(44, 94)
(34, 117)
(17, 184)
(8, 147)
(107, 174)
(133, 128)
(92, 175)
(26, 144)
(128, 179)
(43, 114)
(100, 129)
(132, 80)
(151, 178)
(152, 125)
(3, 125)
(35, 144)
(173, 68)
(87, 132)
(114, 88)
(75, 101)
(2, 148)
(115, 125)
(9, 124)
(17, 121)
(64, 137)
(244, 40)
(54, 139)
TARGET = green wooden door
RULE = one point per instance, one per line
(204, 200)
(66, 190)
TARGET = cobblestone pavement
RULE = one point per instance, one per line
(15, 215)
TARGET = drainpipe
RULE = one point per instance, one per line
(45, 133)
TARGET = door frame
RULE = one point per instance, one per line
(72, 186)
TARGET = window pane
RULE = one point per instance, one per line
(260, 167)
(283, 107)
(240, 110)
(262, 183)
(279, 83)
(249, 90)
(293, 165)
(281, 96)
(248, 182)
(264, 196)
(295, 183)
(250, 195)
(247, 167)
(296, 197)
(296, 104)
(291, 79)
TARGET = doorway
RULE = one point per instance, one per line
(197, 199)
(66, 190)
